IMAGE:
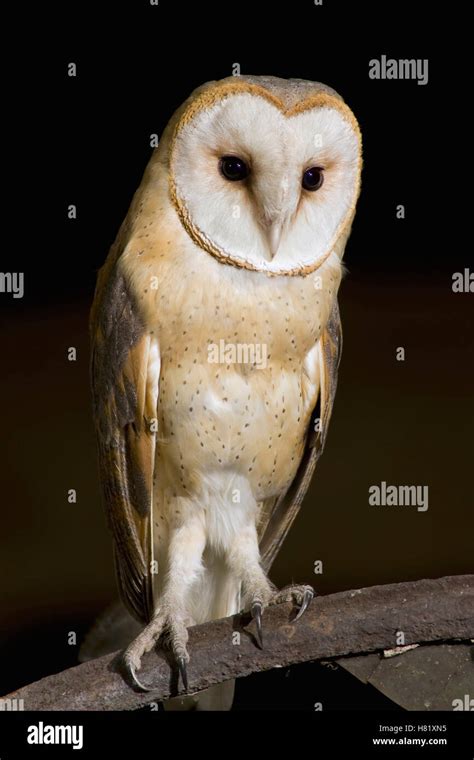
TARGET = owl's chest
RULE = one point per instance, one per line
(207, 312)
(236, 389)
(241, 320)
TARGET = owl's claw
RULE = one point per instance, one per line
(308, 596)
(183, 671)
(133, 677)
(148, 638)
(256, 612)
(299, 595)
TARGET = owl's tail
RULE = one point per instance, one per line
(114, 629)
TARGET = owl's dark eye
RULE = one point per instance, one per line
(313, 178)
(233, 168)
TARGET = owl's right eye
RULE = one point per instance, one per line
(233, 168)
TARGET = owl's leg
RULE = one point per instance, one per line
(257, 591)
(171, 618)
(244, 561)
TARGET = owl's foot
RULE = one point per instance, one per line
(169, 625)
(299, 595)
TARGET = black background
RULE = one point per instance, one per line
(85, 140)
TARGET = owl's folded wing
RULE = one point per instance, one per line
(287, 505)
(125, 371)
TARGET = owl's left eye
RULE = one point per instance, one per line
(233, 168)
(313, 178)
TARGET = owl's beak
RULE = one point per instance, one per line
(274, 236)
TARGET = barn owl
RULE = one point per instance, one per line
(216, 341)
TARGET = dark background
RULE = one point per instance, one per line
(85, 140)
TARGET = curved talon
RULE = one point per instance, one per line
(133, 676)
(256, 612)
(307, 597)
(183, 671)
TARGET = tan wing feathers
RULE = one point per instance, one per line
(288, 504)
(123, 408)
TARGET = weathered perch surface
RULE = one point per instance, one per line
(346, 623)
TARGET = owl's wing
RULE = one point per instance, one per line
(286, 507)
(125, 371)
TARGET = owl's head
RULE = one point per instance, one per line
(265, 172)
